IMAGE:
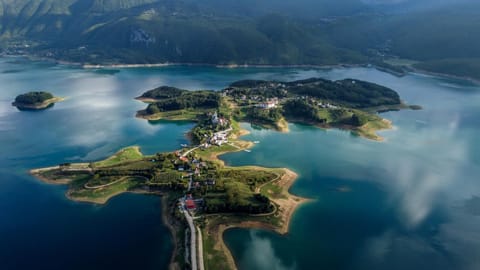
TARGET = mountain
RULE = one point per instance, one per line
(441, 35)
(142, 31)
(444, 38)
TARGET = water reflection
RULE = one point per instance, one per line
(426, 169)
(260, 255)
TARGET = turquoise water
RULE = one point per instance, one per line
(407, 203)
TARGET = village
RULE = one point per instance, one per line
(271, 95)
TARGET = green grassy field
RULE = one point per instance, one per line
(128, 154)
(178, 115)
(102, 195)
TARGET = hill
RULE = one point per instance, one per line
(147, 31)
(230, 32)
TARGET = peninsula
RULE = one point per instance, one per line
(35, 100)
(202, 196)
(347, 104)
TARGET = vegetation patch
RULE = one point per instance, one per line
(35, 100)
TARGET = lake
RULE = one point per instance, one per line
(411, 202)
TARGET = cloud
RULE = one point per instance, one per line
(394, 250)
(460, 238)
(261, 255)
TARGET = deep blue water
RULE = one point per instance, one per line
(411, 202)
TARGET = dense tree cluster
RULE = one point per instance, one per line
(199, 134)
(359, 119)
(354, 93)
(298, 108)
(33, 97)
(257, 205)
(189, 100)
(263, 92)
(163, 92)
(264, 116)
(249, 83)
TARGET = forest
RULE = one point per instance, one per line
(187, 100)
(33, 98)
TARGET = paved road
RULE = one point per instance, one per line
(201, 266)
(193, 240)
(189, 151)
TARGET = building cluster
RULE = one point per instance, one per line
(258, 98)
(218, 121)
(319, 103)
(269, 104)
(327, 105)
(218, 138)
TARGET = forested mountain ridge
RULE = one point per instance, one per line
(146, 31)
(439, 35)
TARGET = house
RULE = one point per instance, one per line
(268, 105)
(190, 204)
(222, 121)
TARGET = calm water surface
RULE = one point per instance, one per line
(411, 202)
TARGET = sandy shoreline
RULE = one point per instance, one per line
(37, 174)
(38, 106)
(232, 66)
(146, 100)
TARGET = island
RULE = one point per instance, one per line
(39, 100)
(202, 197)
(346, 104)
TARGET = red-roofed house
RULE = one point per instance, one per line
(190, 204)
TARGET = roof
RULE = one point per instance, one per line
(190, 204)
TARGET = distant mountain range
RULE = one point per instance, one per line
(317, 32)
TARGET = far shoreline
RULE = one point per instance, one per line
(238, 66)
